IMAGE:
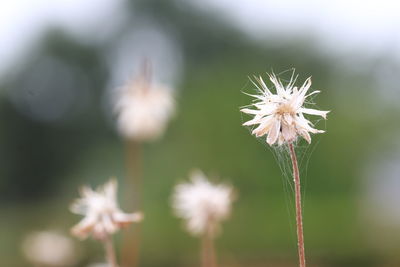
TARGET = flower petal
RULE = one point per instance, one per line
(263, 85)
(304, 88)
(281, 140)
(124, 219)
(264, 127)
(256, 120)
(109, 226)
(305, 135)
(84, 227)
(314, 112)
(288, 118)
(288, 132)
(273, 133)
(110, 189)
(312, 93)
(261, 97)
(278, 84)
(249, 111)
(293, 79)
(304, 124)
(299, 97)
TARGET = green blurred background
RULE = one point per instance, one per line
(57, 132)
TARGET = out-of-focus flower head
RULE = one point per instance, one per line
(49, 248)
(103, 217)
(98, 265)
(202, 204)
(144, 108)
(280, 116)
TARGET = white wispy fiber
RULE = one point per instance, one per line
(49, 248)
(144, 110)
(202, 204)
(280, 116)
(103, 217)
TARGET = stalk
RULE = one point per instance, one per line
(134, 166)
(208, 258)
(110, 251)
(133, 189)
(299, 216)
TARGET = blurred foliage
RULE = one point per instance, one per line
(43, 163)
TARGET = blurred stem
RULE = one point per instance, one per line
(208, 258)
(110, 251)
(133, 197)
(299, 216)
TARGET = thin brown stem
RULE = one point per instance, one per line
(299, 216)
(110, 252)
(208, 256)
(133, 199)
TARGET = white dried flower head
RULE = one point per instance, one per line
(143, 110)
(103, 217)
(201, 204)
(49, 248)
(280, 116)
(99, 265)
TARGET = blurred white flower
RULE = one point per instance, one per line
(49, 248)
(280, 115)
(99, 265)
(144, 109)
(103, 217)
(201, 204)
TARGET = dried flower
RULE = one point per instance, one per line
(280, 116)
(49, 248)
(202, 204)
(99, 265)
(103, 217)
(144, 110)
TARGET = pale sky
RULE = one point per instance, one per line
(23, 22)
(340, 25)
(369, 25)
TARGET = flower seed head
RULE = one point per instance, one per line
(49, 248)
(280, 116)
(143, 110)
(102, 214)
(203, 205)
